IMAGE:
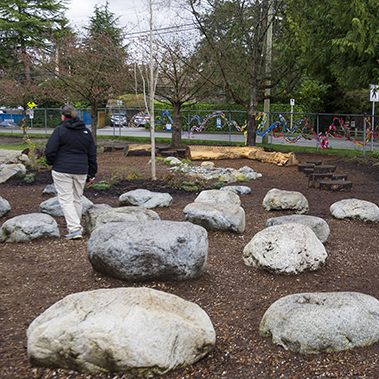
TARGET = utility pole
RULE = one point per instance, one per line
(152, 93)
(268, 59)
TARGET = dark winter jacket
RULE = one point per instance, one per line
(71, 149)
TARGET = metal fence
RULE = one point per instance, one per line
(320, 130)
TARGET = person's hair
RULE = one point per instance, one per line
(68, 111)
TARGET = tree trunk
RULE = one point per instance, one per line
(94, 122)
(176, 139)
(251, 127)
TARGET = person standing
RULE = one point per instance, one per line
(71, 151)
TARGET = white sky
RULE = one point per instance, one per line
(134, 15)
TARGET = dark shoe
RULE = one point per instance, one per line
(74, 235)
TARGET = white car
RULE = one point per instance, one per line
(119, 118)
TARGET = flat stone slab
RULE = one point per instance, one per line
(318, 225)
(25, 228)
(140, 331)
(355, 209)
(149, 250)
(285, 249)
(277, 199)
(145, 198)
(99, 214)
(324, 322)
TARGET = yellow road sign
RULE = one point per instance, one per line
(31, 104)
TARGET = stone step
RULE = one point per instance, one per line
(314, 179)
(302, 166)
(323, 169)
(308, 171)
(316, 163)
(169, 153)
(335, 185)
(339, 177)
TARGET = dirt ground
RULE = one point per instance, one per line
(35, 275)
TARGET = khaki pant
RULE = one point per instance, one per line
(70, 189)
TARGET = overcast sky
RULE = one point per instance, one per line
(133, 15)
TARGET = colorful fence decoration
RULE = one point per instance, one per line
(261, 117)
(301, 129)
(302, 126)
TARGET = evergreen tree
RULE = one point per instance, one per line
(25, 24)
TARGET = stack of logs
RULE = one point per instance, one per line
(324, 177)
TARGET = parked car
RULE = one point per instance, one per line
(140, 120)
(8, 124)
(118, 119)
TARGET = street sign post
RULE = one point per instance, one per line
(374, 97)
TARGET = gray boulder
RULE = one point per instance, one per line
(99, 214)
(50, 190)
(145, 198)
(4, 207)
(140, 331)
(215, 197)
(53, 208)
(28, 227)
(217, 210)
(249, 173)
(322, 322)
(149, 250)
(7, 171)
(276, 199)
(318, 225)
(238, 190)
(355, 208)
(285, 249)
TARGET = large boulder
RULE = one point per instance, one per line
(4, 207)
(322, 322)
(217, 210)
(319, 226)
(25, 228)
(7, 171)
(355, 208)
(285, 249)
(276, 199)
(53, 208)
(149, 250)
(145, 198)
(99, 214)
(140, 331)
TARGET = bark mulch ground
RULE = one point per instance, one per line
(35, 275)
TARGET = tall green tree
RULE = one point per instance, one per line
(235, 40)
(338, 40)
(25, 25)
(90, 68)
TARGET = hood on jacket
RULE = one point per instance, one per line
(74, 124)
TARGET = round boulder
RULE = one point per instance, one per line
(322, 322)
(276, 199)
(25, 228)
(53, 207)
(319, 226)
(145, 198)
(355, 208)
(285, 249)
(149, 250)
(140, 331)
